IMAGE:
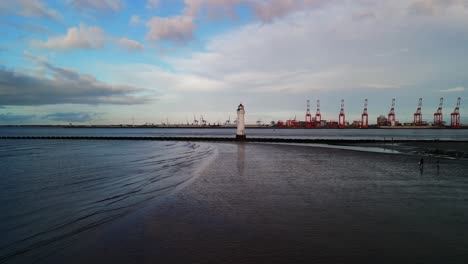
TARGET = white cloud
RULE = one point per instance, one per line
(135, 20)
(177, 28)
(181, 27)
(153, 77)
(382, 85)
(322, 50)
(81, 37)
(453, 90)
(99, 5)
(130, 45)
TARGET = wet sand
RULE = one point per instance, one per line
(258, 203)
(437, 149)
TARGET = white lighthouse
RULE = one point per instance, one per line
(240, 135)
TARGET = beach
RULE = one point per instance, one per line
(268, 203)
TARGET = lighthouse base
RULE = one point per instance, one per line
(240, 137)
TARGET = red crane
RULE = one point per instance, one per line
(308, 116)
(455, 116)
(365, 116)
(391, 114)
(341, 117)
(418, 114)
(318, 115)
(438, 118)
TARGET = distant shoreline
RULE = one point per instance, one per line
(221, 127)
(233, 139)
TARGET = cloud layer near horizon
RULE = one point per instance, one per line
(56, 85)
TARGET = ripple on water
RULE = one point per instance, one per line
(53, 190)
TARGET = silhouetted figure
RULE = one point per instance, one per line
(421, 164)
(438, 166)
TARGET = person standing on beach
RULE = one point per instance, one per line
(421, 163)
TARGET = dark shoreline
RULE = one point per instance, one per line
(233, 139)
(371, 127)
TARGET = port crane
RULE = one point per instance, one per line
(203, 121)
(341, 116)
(418, 114)
(365, 116)
(195, 121)
(455, 115)
(391, 114)
(438, 117)
(318, 115)
(308, 116)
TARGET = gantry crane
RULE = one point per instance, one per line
(318, 115)
(438, 117)
(365, 116)
(308, 116)
(341, 116)
(455, 116)
(202, 121)
(418, 114)
(391, 115)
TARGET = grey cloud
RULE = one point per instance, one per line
(73, 117)
(62, 86)
(432, 7)
(10, 118)
(214, 9)
(268, 10)
(363, 16)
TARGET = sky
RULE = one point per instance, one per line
(152, 61)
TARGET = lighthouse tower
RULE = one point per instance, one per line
(240, 135)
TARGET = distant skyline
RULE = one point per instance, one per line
(122, 61)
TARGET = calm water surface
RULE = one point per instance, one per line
(54, 190)
(237, 203)
(407, 134)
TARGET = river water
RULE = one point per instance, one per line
(176, 202)
(54, 190)
(378, 134)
